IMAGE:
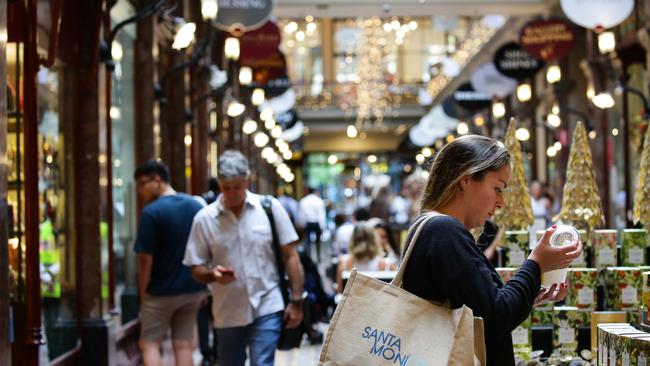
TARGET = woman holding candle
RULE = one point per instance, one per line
(465, 186)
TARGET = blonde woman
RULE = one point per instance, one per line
(465, 186)
(364, 253)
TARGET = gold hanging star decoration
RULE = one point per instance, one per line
(642, 191)
(517, 213)
(581, 205)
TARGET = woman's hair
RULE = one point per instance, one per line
(377, 223)
(467, 156)
(364, 244)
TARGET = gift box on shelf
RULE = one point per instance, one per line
(566, 322)
(542, 315)
(582, 287)
(609, 351)
(521, 340)
(623, 288)
(516, 247)
(633, 247)
(604, 317)
(604, 243)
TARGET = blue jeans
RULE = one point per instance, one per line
(261, 337)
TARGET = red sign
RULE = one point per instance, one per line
(269, 68)
(547, 40)
(262, 42)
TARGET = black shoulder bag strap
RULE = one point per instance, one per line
(267, 204)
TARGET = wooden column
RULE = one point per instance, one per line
(143, 84)
(31, 343)
(200, 129)
(5, 345)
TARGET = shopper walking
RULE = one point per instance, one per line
(466, 186)
(312, 217)
(230, 248)
(169, 296)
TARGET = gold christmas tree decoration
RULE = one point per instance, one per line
(581, 204)
(642, 191)
(517, 213)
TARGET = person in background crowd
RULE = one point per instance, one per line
(365, 254)
(312, 218)
(342, 234)
(169, 297)
(230, 248)
(386, 240)
(213, 191)
(380, 205)
(541, 205)
(289, 203)
(465, 187)
(489, 240)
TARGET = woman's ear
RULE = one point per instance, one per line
(464, 181)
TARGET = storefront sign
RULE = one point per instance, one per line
(547, 40)
(470, 99)
(262, 42)
(487, 79)
(239, 16)
(512, 61)
(268, 68)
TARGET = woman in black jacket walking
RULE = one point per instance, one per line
(466, 185)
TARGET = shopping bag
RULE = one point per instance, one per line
(379, 323)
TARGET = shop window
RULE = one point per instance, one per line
(123, 165)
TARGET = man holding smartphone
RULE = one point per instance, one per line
(230, 248)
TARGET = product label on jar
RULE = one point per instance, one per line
(567, 335)
(641, 360)
(606, 256)
(628, 295)
(625, 359)
(516, 255)
(586, 296)
(520, 336)
(635, 255)
(612, 357)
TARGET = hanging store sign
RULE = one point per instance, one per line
(240, 16)
(487, 79)
(597, 14)
(267, 68)
(262, 42)
(512, 61)
(547, 40)
(470, 99)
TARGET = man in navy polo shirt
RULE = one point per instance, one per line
(169, 297)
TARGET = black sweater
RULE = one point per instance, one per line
(446, 264)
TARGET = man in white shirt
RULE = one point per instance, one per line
(230, 248)
(312, 217)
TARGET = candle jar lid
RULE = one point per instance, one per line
(564, 235)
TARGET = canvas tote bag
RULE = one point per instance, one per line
(379, 323)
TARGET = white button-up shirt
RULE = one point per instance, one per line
(245, 244)
(312, 209)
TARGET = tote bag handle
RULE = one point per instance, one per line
(411, 238)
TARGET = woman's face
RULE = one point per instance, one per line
(382, 236)
(483, 197)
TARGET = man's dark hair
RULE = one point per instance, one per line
(151, 168)
(361, 214)
(311, 190)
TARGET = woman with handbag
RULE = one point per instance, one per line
(465, 187)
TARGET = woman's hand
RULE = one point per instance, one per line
(549, 257)
(552, 294)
